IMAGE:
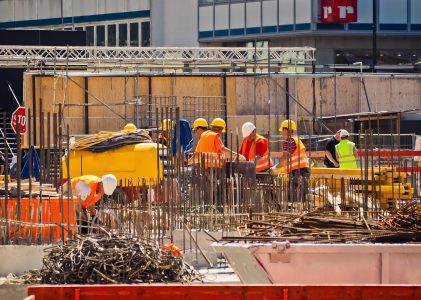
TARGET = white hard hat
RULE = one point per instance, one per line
(343, 133)
(109, 183)
(83, 190)
(247, 129)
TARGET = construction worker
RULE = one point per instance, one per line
(294, 155)
(346, 152)
(200, 125)
(90, 189)
(263, 162)
(330, 151)
(211, 147)
(167, 126)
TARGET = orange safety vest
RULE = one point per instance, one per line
(163, 140)
(262, 163)
(93, 183)
(298, 159)
(211, 156)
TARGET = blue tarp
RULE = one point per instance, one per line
(36, 165)
(186, 138)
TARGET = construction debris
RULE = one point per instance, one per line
(111, 260)
(407, 217)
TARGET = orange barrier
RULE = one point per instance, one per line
(34, 222)
(225, 291)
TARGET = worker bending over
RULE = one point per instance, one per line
(294, 157)
(346, 153)
(210, 147)
(260, 152)
(90, 189)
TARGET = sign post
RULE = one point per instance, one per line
(19, 116)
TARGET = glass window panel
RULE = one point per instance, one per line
(111, 35)
(146, 34)
(122, 35)
(90, 36)
(79, 28)
(100, 35)
(134, 34)
(205, 2)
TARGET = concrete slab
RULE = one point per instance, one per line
(18, 259)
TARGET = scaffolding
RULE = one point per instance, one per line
(37, 57)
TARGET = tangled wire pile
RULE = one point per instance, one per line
(407, 217)
(111, 260)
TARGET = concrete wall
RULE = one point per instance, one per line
(174, 23)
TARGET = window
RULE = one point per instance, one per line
(100, 35)
(134, 34)
(146, 34)
(111, 35)
(90, 36)
(122, 35)
(205, 2)
(78, 28)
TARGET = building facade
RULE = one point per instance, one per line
(292, 23)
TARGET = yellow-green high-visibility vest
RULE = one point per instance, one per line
(345, 155)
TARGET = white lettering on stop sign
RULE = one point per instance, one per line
(19, 117)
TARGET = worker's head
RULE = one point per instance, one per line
(130, 127)
(287, 128)
(199, 126)
(248, 130)
(167, 125)
(344, 134)
(338, 135)
(218, 125)
(83, 190)
(109, 183)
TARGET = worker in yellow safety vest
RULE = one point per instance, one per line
(90, 189)
(346, 153)
(294, 157)
(164, 138)
(210, 148)
(255, 146)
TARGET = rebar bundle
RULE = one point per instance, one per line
(111, 260)
(407, 217)
(323, 228)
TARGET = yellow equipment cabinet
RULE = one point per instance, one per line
(132, 162)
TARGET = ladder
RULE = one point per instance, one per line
(10, 138)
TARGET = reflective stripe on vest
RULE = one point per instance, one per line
(263, 163)
(345, 154)
(299, 158)
(209, 155)
(92, 181)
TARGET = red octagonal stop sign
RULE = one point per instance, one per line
(19, 116)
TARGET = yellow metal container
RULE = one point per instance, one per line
(135, 162)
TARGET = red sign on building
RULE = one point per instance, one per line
(338, 11)
(19, 116)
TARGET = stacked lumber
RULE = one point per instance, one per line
(35, 188)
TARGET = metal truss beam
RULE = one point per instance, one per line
(152, 57)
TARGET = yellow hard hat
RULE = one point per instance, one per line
(200, 122)
(130, 127)
(167, 124)
(218, 122)
(289, 124)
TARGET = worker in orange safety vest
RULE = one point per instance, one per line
(294, 157)
(90, 189)
(255, 146)
(210, 148)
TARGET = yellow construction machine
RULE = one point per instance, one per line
(129, 154)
